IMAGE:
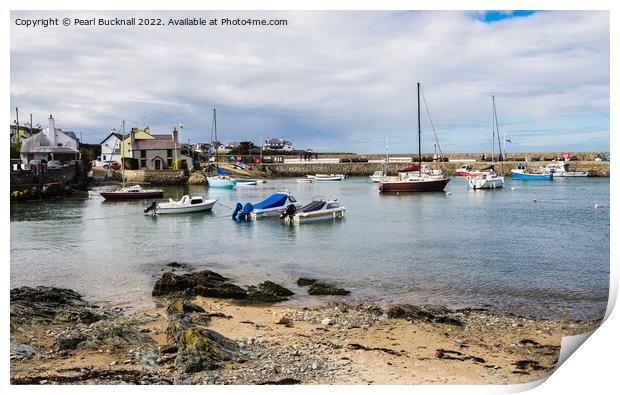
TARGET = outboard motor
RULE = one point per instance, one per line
(238, 208)
(290, 212)
(152, 207)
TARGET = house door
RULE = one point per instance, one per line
(157, 164)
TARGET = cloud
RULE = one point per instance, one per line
(327, 80)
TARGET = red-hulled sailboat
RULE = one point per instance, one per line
(414, 179)
(133, 192)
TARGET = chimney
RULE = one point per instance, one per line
(132, 134)
(175, 135)
(51, 132)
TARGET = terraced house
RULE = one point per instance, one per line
(155, 151)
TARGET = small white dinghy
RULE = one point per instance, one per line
(243, 181)
(319, 209)
(187, 204)
(305, 180)
(329, 177)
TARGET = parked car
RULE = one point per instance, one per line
(54, 164)
(113, 165)
(38, 162)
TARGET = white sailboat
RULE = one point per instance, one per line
(489, 179)
(379, 175)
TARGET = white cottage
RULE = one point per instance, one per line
(50, 144)
(111, 147)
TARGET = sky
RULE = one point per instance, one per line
(330, 81)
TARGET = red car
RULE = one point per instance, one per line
(114, 165)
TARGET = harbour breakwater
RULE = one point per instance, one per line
(39, 182)
(599, 169)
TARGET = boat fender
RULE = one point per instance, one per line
(152, 207)
(290, 211)
(238, 208)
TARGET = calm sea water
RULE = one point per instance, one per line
(546, 258)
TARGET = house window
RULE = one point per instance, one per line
(169, 162)
(169, 153)
(142, 153)
(142, 163)
(104, 157)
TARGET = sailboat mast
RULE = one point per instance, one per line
(499, 141)
(123, 154)
(419, 135)
(493, 128)
(215, 133)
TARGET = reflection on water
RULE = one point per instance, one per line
(534, 247)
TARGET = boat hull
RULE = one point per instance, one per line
(468, 173)
(222, 183)
(516, 175)
(116, 196)
(163, 209)
(573, 174)
(271, 212)
(489, 183)
(418, 186)
(326, 179)
(314, 216)
(246, 182)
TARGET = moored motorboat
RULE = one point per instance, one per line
(305, 180)
(221, 182)
(187, 204)
(521, 173)
(467, 170)
(319, 209)
(242, 181)
(561, 169)
(377, 176)
(132, 193)
(329, 177)
(272, 206)
(487, 180)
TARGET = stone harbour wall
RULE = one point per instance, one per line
(158, 177)
(600, 169)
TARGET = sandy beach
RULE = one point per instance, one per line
(58, 338)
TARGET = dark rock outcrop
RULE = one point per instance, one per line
(198, 348)
(42, 305)
(101, 333)
(202, 283)
(268, 292)
(303, 281)
(274, 289)
(430, 314)
(318, 288)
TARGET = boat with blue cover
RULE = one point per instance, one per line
(521, 173)
(274, 205)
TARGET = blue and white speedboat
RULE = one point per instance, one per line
(521, 173)
(274, 205)
(221, 182)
